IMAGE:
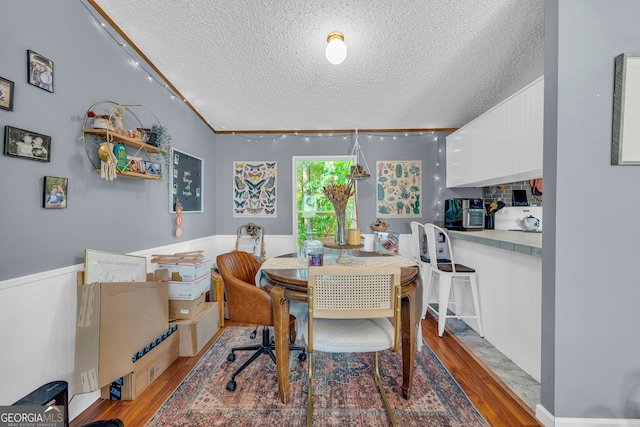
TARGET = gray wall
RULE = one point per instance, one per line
(428, 147)
(120, 216)
(591, 353)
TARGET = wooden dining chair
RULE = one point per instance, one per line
(349, 311)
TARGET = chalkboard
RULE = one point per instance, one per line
(186, 182)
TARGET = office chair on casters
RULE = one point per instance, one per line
(349, 312)
(249, 304)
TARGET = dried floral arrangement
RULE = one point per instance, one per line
(339, 194)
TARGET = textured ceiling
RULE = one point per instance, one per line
(411, 64)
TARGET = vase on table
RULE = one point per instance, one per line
(341, 223)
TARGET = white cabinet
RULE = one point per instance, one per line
(503, 145)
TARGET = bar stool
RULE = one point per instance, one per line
(418, 239)
(448, 273)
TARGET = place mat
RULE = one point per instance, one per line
(394, 260)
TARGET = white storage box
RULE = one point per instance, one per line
(189, 290)
(189, 271)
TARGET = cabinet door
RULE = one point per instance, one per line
(531, 130)
(502, 145)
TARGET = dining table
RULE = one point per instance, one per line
(285, 278)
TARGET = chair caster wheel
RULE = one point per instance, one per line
(302, 357)
(231, 358)
(231, 385)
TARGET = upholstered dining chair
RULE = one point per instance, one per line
(248, 303)
(349, 311)
(447, 272)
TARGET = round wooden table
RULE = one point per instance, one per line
(286, 284)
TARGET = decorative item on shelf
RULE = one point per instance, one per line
(380, 225)
(338, 195)
(107, 161)
(358, 171)
(178, 209)
(120, 153)
(100, 121)
(117, 114)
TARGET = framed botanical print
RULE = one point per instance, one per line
(40, 71)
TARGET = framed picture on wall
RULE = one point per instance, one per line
(6, 94)
(40, 71)
(55, 192)
(26, 144)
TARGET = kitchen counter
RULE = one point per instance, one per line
(508, 266)
(516, 241)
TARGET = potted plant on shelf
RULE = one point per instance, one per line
(162, 140)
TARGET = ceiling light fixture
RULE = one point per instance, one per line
(336, 50)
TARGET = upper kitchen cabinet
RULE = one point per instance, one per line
(502, 145)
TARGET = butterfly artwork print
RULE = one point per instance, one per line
(255, 189)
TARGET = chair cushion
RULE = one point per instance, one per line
(351, 335)
(446, 267)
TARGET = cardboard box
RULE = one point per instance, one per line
(190, 289)
(194, 334)
(186, 309)
(115, 320)
(189, 271)
(145, 371)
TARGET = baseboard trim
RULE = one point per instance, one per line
(548, 420)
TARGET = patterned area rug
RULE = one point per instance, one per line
(345, 393)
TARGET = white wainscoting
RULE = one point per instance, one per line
(38, 314)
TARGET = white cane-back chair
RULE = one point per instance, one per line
(350, 310)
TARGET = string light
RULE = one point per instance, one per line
(150, 76)
(309, 137)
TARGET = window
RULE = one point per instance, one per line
(313, 213)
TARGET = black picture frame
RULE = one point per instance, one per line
(39, 71)
(6, 94)
(26, 144)
(55, 192)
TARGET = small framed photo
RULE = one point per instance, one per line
(26, 144)
(6, 94)
(153, 168)
(40, 71)
(145, 135)
(55, 192)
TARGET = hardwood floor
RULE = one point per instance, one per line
(498, 405)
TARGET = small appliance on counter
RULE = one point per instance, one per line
(512, 218)
(464, 214)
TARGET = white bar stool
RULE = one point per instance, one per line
(447, 273)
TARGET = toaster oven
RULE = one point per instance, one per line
(464, 214)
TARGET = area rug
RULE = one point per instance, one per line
(345, 393)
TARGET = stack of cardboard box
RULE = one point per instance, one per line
(123, 336)
(190, 281)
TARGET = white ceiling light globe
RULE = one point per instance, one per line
(336, 50)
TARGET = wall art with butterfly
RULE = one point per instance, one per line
(254, 189)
